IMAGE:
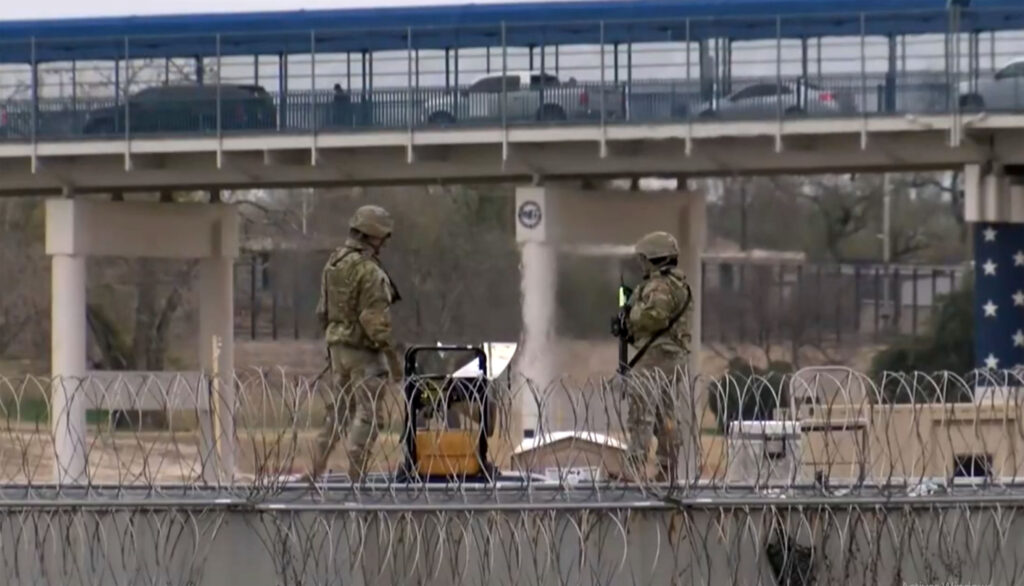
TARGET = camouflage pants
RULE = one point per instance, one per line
(355, 402)
(657, 409)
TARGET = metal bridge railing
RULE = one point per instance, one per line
(643, 101)
(877, 64)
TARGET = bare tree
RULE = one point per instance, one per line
(953, 189)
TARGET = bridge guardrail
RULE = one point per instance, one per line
(639, 101)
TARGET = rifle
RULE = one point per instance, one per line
(620, 325)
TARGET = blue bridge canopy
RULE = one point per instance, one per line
(481, 25)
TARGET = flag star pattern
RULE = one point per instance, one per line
(998, 283)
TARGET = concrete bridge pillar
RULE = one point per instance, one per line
(557, 220)
(994, 204)
(77, 229)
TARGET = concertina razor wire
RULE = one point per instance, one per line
(825, 476)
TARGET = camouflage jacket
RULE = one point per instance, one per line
(355, 299)
(653, 304)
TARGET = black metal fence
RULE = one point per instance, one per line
(743, 302)
(821, 304)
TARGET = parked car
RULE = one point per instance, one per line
(765, 99)
(1004, 90)
(187, 108)
(530, 95)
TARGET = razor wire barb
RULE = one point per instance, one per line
(826, 476)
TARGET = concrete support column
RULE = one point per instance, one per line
(68, 367)
(994, 204)
(539, 280)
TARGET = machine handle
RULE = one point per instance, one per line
(413, 351)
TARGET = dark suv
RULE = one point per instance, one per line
(187, 108)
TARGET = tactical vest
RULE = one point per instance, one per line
(342, 278)
(679, 336)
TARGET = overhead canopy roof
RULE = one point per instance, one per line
(525, 24)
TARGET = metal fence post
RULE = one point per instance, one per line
(856, 299)
(863, 82)
(253, 260)
(689, 114)
(913, 308)
(839, 303)
(543, 69)
(601, 101)
(314, 101)
(74, 87)
(778, 82)
(35, 93)
(408, 94)
(818, 313)
(282, 90)
(458, 92)
(127, 110)
(447, 69)
(370, 117)
(117, 83)
(220, 109)
(504, 80)
(629, 79)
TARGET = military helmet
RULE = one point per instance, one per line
(657, 245)
(373, 221)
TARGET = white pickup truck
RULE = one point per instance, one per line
(528, 95)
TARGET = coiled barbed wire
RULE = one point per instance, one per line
(826, 476)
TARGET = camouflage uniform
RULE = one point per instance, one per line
(354, 309)
(655, 408)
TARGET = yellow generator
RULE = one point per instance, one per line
(448, 418)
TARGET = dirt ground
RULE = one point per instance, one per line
(274, 439)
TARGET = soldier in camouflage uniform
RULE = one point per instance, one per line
(354, 310)
(654, 384)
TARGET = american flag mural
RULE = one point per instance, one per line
(998, 296)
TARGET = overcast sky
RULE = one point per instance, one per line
(15, 10)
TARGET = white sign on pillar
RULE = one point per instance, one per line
(531, 214)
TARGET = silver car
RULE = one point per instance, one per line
(530, 95)
(765, 100)
(1003, 90)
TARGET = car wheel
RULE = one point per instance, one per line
(551, 112)
(972, 103)
(441, 118)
